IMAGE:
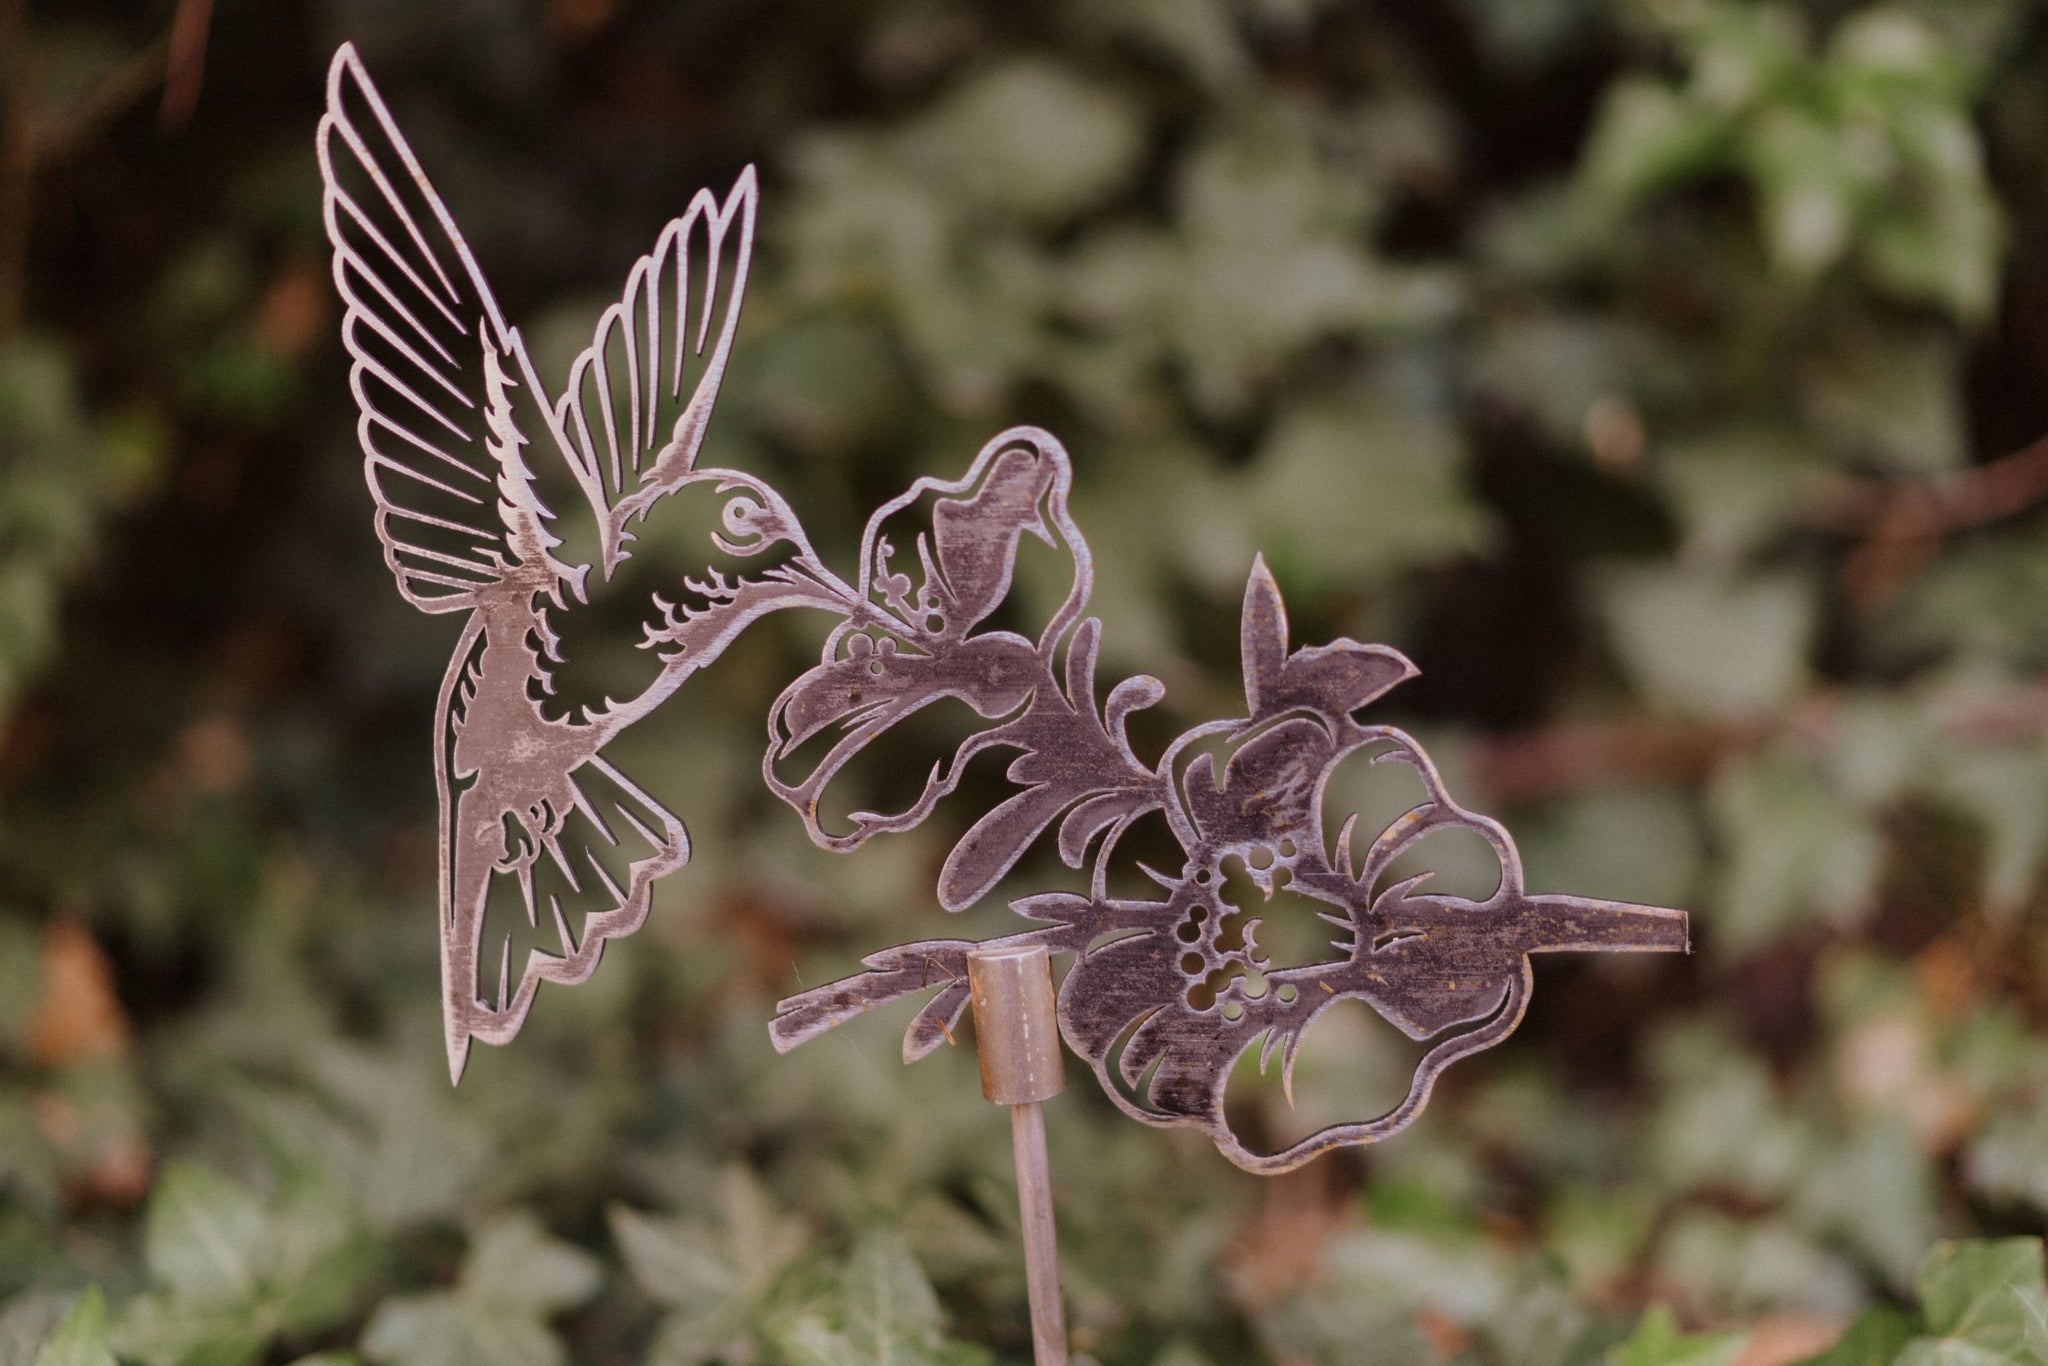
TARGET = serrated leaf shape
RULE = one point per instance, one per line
(204, 1236)
(80, 1338)
(1332, 680)
(1980, 1299)
(887, 1314)
(514, 1280)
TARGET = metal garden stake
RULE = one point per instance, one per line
(1017, 1036)
(1172, 978)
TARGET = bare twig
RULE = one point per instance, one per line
(1560, 760)
(1969, 498)
(28, 145)
(17, 161)
(1901, 523)
(185, 62)
(119, 91)
(1574, 758)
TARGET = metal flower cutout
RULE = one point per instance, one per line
(1166, 994)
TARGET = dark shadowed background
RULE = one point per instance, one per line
(1660, 376)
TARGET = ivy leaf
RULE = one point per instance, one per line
(1945, 244)
(515, 1264)
(1735, 487)
(446, 1330)
(1647, 137)
(80, 1338)
(1630, 844)
(1268, 258)
(1892, 394)
(164, 1330)
(204, 1236)
(1796, 850)
(515, 1278)
(1708, 644)
(2009, 1158)
(1029, 138)
(1658, 1341)
(1887, 50)
(1345, 490)
(59, 478)
(1875, 1339)
(1749, 1266)
(1197, 35)
(1720, 1122)
(890, 1306)
(27, 1321)
(316, 1260)
(888, 1314)
(1810, 197)
(2005, 791)
(1875, 1191)
(2034, 1320)
(713, 1276)
(1981, 1300)
(237, 1272)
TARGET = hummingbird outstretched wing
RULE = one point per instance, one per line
(448, 405)
(640, 395)
(445, 393)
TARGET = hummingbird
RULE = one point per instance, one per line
(459, 441)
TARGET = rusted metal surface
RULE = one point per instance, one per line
(1167, 992)
(454, 425)
(1016, 1034)
(1016, 1023)
(1041, 1247)
(1170, 985)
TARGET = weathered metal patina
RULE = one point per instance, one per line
(1166, 991)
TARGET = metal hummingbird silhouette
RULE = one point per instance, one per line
(449, 400)
(1166, 993)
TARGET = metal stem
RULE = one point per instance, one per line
(1016, 1032)
(1041, 1249)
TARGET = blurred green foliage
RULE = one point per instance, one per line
(1656, 373)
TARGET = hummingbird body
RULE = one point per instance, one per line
(459, 437)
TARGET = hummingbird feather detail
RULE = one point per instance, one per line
(454, 425)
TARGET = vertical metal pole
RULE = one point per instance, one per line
(1016, 1032)
(1041, 1250)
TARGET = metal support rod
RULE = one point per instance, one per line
(1041, 1249)
(1017, 1035)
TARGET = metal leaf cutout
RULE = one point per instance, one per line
(1165, 994)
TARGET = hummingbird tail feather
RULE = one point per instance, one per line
(560, 880)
